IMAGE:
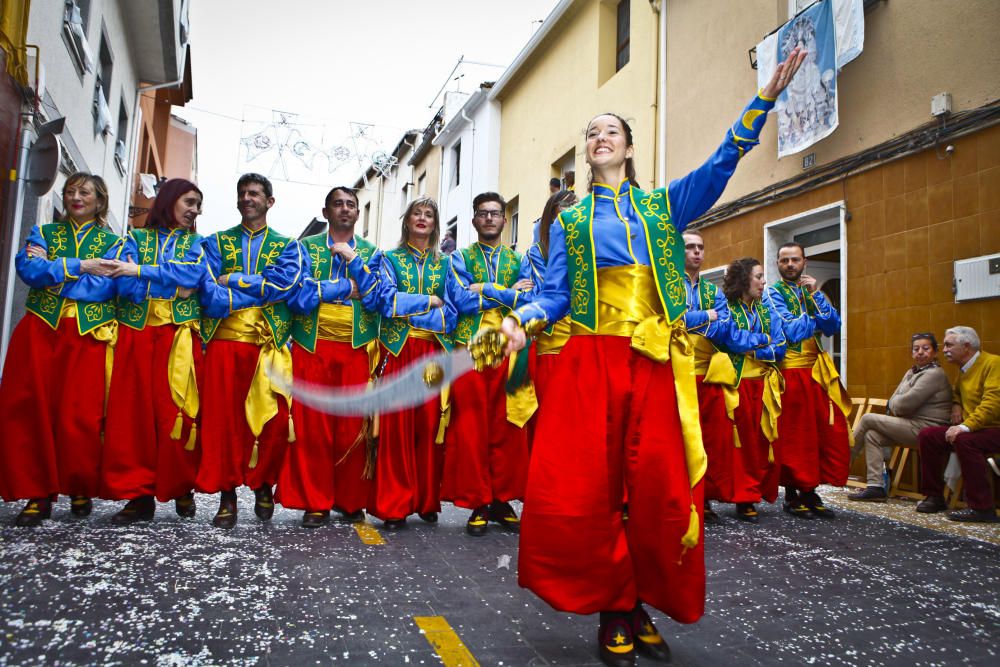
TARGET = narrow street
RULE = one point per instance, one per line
(859, 590)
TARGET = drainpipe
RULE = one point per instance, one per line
(661, 93)
(472, 156)
(136, 114)
(15, 232)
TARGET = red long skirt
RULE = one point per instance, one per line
(486, 457)
(741, 474)
(312, 479)
(811, 450)
(717, 436)
(226, 440)
(52, 407)
(140, 458)
(408, 464)
(613, 429)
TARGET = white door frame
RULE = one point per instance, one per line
(781, 231)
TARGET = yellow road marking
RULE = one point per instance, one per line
(445, 642)
(368, 534)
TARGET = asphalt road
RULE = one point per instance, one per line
(857, 590)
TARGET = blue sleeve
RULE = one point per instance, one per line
(134, 289)
(216, 300)
(795, 329)
(277, 280)
(465, 300)
(40, 273)
(775, 349)
(90, 288)
(393, 303)
(510, 297)
(187, 272)
(443, 318)
(696, 321)
(552, 303)
(827, 318)
(537, 263)
(368, 278)
(690, 196)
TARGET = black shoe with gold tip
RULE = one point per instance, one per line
(315, 519)
(747, 512)
(185, 506)
(794, 505)
(35, 511)
(501, 512)
(263, 507)
(80, 506)
(614, 637)
(478, 521)
(648, 640)
(711, 518)
(135, 510)
(226, 516)
(816, 507)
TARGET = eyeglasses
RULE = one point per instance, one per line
(496, 215)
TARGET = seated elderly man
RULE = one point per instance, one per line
(922, 399)
(975, 432)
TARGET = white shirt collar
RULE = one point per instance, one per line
(968, 364)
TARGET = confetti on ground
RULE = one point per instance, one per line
(857, 590)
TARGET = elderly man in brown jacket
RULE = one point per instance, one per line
(922, 399)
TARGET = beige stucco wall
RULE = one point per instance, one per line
(914, 49)
(544, 112)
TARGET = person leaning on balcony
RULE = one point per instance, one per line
(624, 423)
(974, 434)
(59, 361)
(922, 399)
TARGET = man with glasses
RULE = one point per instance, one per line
(973, 435)
(334, 346)
(922, 399)
(486, 459)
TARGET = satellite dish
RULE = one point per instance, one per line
(43, 164)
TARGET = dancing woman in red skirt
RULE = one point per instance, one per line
(623, 425)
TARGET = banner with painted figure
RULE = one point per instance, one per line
(832, 31)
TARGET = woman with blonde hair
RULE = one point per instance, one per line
(55, 376)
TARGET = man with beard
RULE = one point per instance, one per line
(334, 346)
(711, 333)
(246, 425)
(813, 445)
(486, 459)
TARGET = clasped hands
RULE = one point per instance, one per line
(108, 268)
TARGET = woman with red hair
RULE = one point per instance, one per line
(151, 450)
(54, 378)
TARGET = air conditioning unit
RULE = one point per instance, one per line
(977, 278)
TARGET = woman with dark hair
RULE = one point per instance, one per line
(151, 437)
(53, 393)
(745, 473)
(415, 295)
(549, 342)
(624, 426)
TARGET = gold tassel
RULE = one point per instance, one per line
(770, 454)
(189, 447)
(831, 413)
(175, 432)
(254, 454)
(736, 437)
(443, 425)
(690, 538)
(291, 428)
(375, 425)
(361, 437)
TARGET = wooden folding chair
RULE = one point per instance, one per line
(859, 408)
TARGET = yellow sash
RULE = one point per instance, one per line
(629, 305)
(554, 342)
(335, 322)
(261, 405)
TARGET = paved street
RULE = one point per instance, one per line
(861, 590)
